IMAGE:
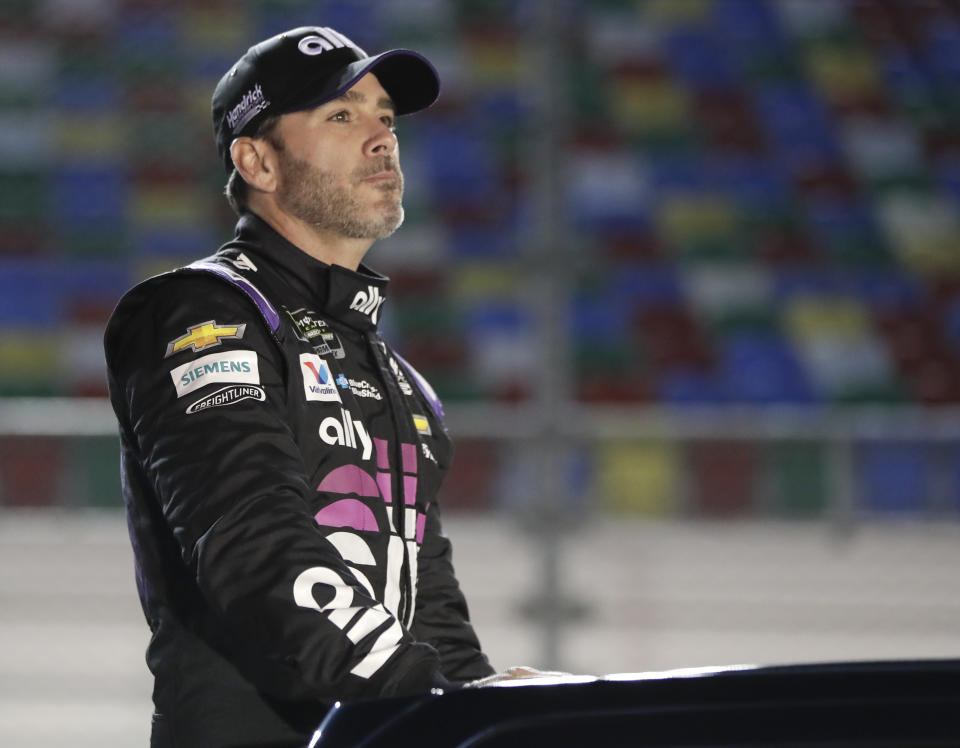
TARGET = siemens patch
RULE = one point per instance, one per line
(228, 396)
(230, 367)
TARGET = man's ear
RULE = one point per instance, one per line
(256, 162)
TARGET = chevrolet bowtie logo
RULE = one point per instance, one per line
(204, 335)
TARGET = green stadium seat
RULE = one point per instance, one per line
(799, 480)
(96, 465)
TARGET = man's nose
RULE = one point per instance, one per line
(383, 140)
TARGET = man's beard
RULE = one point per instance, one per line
(315, 197)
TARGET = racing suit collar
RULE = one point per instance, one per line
(354, 297)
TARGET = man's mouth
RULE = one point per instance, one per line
(382, 176)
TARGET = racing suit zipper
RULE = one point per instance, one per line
(403, 426)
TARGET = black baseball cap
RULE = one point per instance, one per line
(305, 67)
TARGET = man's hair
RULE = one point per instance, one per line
(237, 190)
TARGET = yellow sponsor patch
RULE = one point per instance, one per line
(205, 335)
(422, 424)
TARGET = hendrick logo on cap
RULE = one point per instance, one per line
(252, 103)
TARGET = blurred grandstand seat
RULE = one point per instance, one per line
(919, 344)
(643, 478)
(726, 122)
(698, 61)
(472, 481)
(797, 124)
(763, 195)
(92, 465)
(682, 385)
(894, 477)
(673, 338)
(32, 472)
(798, 485)
(724, 477)
(763, 369)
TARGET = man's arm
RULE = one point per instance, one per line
(442, 618)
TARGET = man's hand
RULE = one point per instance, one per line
(517, 672)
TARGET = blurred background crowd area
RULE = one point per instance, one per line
(762, 196)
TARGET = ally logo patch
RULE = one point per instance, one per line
(318, 381)
(230, 367)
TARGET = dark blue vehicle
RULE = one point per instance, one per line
(908, 704)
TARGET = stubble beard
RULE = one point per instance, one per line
(317, 198)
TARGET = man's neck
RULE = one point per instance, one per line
(325, 246)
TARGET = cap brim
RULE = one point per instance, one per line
(408, 77)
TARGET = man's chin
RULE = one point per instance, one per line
(389, 227)
(393, 216)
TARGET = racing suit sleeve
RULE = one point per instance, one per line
(442, 618)
(232, 490)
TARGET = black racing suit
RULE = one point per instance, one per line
(280, 468)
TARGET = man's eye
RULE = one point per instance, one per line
(389, 122)
(341, 116)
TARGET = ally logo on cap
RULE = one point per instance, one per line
(326, 39)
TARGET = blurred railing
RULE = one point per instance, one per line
(55, 416)
(519, 432)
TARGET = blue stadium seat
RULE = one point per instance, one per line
(603, 318)
(646, 285)
(179, 244)
(942, 55)
(697, 59)
(608, 194)
(87, 93)
(763, 369)
(93, 281)
(685, 387)
(948, 178)
(951, 324)
(903, 73)
(503, 106)
(143, 34)
(893, 478)
(481, 242)
(487, 317)
(670, 174)
(884, 289)
(836, 224)
(29, 294)
(756, 183)
(459, 162)
(797, 122)
(791, 283)
(89, 195)
(746, 22)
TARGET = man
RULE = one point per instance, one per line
(280, 462)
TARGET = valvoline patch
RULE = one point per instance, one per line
(318, 380)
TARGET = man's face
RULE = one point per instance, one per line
(339, 166)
